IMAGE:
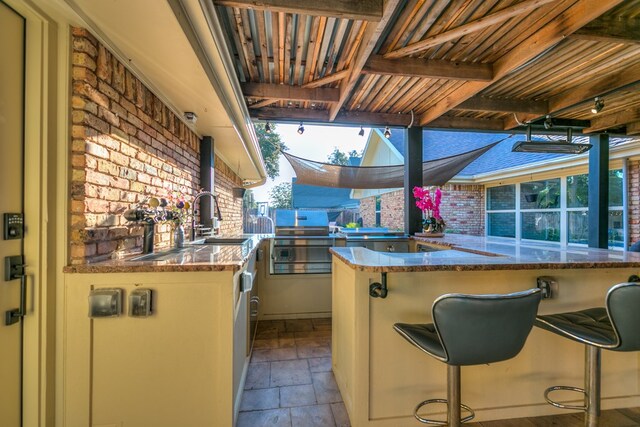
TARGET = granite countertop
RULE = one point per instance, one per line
(196, 256)
(469, 253)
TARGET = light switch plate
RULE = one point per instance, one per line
(105, 302)
(140, 303)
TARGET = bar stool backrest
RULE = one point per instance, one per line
(477, 329)
(623, 306)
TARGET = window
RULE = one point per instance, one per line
(378, 208)
(501, 215)
(540, 210)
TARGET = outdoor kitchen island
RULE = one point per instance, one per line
(382, 377)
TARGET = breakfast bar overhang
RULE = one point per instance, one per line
(382, 379)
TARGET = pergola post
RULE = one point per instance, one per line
(412, 178)
(207, 178)
(599, 191)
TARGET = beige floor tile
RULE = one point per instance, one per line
(313, 334)
(269, 418)
(320, 364)
(265, 343)
(297, 395)
(340, 415)
(313, 341)
(312, 416)
(258, 375)
(273, 354)
(291, 372)
(264, 398)
(298, 325)
(306, 352)
(325, 387)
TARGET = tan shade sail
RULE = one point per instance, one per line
(434, 172)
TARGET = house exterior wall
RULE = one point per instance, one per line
(462, 208)
(127, 146)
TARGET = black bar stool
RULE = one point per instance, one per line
(614, 327)
(471, 330)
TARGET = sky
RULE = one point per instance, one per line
(316, 143)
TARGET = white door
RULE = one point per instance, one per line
(12, 45)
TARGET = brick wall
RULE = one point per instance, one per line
(462, 209)
(126, 147)
(633, 200)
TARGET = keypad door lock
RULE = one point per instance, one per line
(13, 226)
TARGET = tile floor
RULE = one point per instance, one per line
(289, 382)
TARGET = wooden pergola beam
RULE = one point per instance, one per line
(367, 10)
(291, 93)
(633, 128)
(464, 123)
(617, 119)
(468, 28)
(566, 23)
(480, 103)
(327, 79)
(435, 69)
(370, 39)
(322, 116)
(625, 31)
(515, 120)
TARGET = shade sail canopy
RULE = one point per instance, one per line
(434, 172)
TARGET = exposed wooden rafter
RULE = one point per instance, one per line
(436, 69)
(446, 122)
(626, 31)
(370, 39)
(470, 27)
(566, 23)
(617, 119)
(327, 79)
(322, 116)
(633, 128)
(368, 10)
(291, 93)
(515, 120)
(479, 103)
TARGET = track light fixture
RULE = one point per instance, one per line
(548, 123)
(387, 132)
(267, 128)
(361, 133)
(598, 105)
(300, 129)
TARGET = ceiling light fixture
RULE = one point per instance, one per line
(191, 117)
(598, 105)
(387, 132)
(300, 129)
(548, 123)
(555, 147)
(267, 128)
(361, 133)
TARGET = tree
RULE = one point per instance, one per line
(280, 196)
(248, 200)
(337, 157)
(270, 145)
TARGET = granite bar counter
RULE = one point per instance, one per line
(472, 253)
(382, 377)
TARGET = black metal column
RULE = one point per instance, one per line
(412, 178)
(599, 191)
(207, 179)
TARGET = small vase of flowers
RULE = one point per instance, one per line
(432, 223)
(178, 213)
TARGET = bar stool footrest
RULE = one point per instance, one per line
(437, 422)
(562, 405)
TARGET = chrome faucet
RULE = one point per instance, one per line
(214, 205)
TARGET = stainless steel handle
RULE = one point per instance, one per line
(256, 301)
(14, 316)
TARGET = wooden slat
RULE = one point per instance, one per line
(322, 116)
(326, 42)
(633, 128)
(436, 69)
(264, 52)
(404, 23)
(275, 46)
(282, 28)
(473, 26)
(590, 89)
(233, 35)
(369, 41)
(604, 122)
(244, 35)
(292, 93)
(327, 79)
(368, 10)
(570, 20)
(338, 40)
(287, 49)
(350, 46)
(626, 31)
(479, 103)
(312, 50)
(264, 103)
(297, 70)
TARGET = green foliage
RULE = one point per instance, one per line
(248, 200)
(351, 225)
(337, 157)
(280, 196)
(270, 145)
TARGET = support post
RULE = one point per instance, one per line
(599, 191)
(207, 179)
(412, 178)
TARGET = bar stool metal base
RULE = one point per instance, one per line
(437, 422)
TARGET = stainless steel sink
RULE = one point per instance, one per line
(226, 240)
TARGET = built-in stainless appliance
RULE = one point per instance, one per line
(302, 242)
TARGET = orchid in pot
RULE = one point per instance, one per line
(432, 222)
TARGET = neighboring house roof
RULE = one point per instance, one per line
(442, 143)
(311, 196)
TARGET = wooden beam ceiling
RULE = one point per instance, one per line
(468, 28)
(569, 21)
(633, 128)
(290, 93)
(479, 103)
(516, 120)
(436, 69)
(322, 116)
(618, 119)
(626, 31)
(446, 122)
(370, 39)
(368, 10)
